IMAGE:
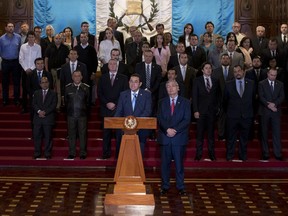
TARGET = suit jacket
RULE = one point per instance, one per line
(265, 96)
(155, 76)
(33, 81)
(49, 106)
(198, 58)
(66, 75)
(143, 105)
(251, 74)
(235, 106)
(180, 121)
(119, 37)
(189, 77)
(108, 93)
(152, 40)
(122, 69)
(131, 56)
(281, 43)
(130, 40)
(218, 74)
(258, 47)
(205, 102)
(280, 58)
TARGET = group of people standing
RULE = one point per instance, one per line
(203, 78)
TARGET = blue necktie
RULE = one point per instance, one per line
(134, 100)
(241, 90)
(39, 76)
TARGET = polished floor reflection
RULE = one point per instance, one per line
(78, 191)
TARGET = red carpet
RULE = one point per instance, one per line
(16, 145)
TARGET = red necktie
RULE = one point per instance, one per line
(172, 106)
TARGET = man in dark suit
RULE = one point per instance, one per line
(136, 102)
(132, 31)
(68, 68)
(283, 37)
(260, 42)
(196, 52)
(238, 99)
(112, 23)
(92, 40)
(185, 74)
(34, 79)
(205, 107)
(44, 106)
(221, 74)
(110, 86)
(150, 74)
(174, 115)
(271, 95)
(122, 68)
(134, 51)
(159, 30)
(273, 51)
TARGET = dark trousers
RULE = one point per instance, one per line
(38, 131)
(221, 124)
(9, 66)
(241, 126)
(205, 123)
(274, 119)
(77, 124)
(169, 152)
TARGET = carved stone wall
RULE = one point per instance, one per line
(15, 11)
(268, 13)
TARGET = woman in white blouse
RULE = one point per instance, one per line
(107, 45)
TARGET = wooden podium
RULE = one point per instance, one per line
(129, 192)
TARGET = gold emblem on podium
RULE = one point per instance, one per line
(134, 7)
(130, 123)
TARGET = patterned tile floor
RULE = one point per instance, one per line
(75, 192)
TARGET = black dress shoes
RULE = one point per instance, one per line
(265, 158)
(279, 158)
(5, 103)
(48, 157)
(182, 192)
(212, 158)
(82, 157)
(37, 156)
(71, 157)
(197, 158)
(163, 191)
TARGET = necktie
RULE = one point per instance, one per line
(137, 50)
(241, 90)
(148, 80)
(257, 73)
(285, 39)
(273, 53)
(260, 41)
(112, 78)
(208, 86)
(39, 76)
(230, 55)
(225, 72)
(183, 72)
(271, 86)
(73, 68)
(194, 50)
(172, 106)
(44, 95)
(134, 100)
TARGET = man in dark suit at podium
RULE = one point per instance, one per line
(136, 102)
(44, 106)
(174, 114)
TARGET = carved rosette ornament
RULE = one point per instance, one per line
(130, 123)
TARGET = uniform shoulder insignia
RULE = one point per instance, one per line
(69, 84)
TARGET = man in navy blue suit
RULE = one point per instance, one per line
(239, 96)
(136, 102)
(174, 114)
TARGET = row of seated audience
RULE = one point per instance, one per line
(209, 73)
